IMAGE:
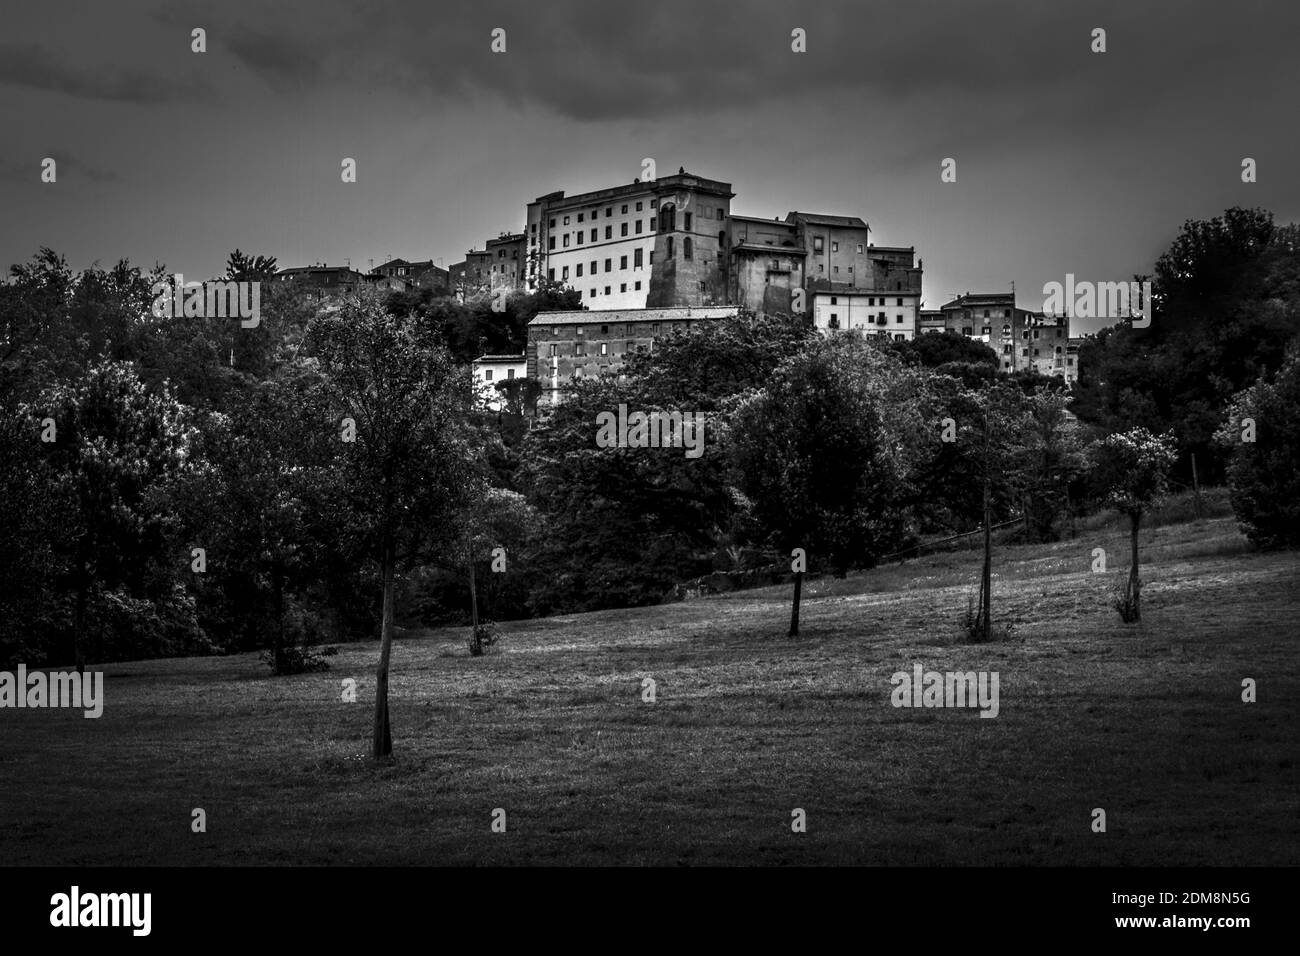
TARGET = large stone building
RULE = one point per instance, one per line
(423, 274)
(767, 264)
(506, 257)
(564, 346)
(650, 244)
(1021, 339)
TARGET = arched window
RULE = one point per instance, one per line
(670, 247)
(686, 248)
(667, 218)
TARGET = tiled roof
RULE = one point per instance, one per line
(596, 316)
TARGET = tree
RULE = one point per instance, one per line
(415, 458)
(1226, 303)
(241, 267)
(117, 450)
(824, 452)
(1133, 468)
(1262, 434)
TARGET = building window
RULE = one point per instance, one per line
(688, 222)
(487, 375)
(1035, 353)
(593, 267)
(835, 269)
(566, 240)
(965, 330)
(593, 293)
(579, 217)
(609, 232)
(552, 223)
(622, 229)
(821, 267)
(898, 318)
(609, 265)
(638, 286)
(652, 257)
(579, 273)
(654, 203)
(818, 245)
(510, 373)
(566, 220)
(581, 236)
(1024, 353)
(622, 287)
(636, 258)
(1035, 333)
(652, 223)
(565, 274)
(686, 245)
(900, 302)
(555, 349)
(986, 330)
(593, 233)
(606, 290)
(859, 248)
(850, 270)
(1006, 350)
(835, 321)
(638, 207)
(550, 242)
(638, 226)
(622, 262)
(835, 247)
(670, 247)
(609, 211)
(624, 209)
(550, 274)
(604, 348)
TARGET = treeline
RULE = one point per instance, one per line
(180, 486)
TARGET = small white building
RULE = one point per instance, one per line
(490, 369)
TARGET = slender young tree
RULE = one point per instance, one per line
(1133, 468)
(410, 456)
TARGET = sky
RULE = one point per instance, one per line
(1067, 160)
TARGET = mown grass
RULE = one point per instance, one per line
(1145, 721)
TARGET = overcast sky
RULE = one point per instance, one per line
(1067, 161)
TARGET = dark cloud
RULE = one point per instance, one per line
(35, 67)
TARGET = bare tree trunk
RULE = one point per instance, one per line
(1134, 580)
(383, 744)
(794, 610)
(77, 638)
(277, 583)
(986, 582)
(1196, 490)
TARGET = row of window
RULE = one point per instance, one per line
(487, 374)
(871, 300)
(819, 245)
(637, 263)
(879, 320)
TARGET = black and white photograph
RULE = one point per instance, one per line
(619, 436)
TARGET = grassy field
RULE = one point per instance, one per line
(1145, 721)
